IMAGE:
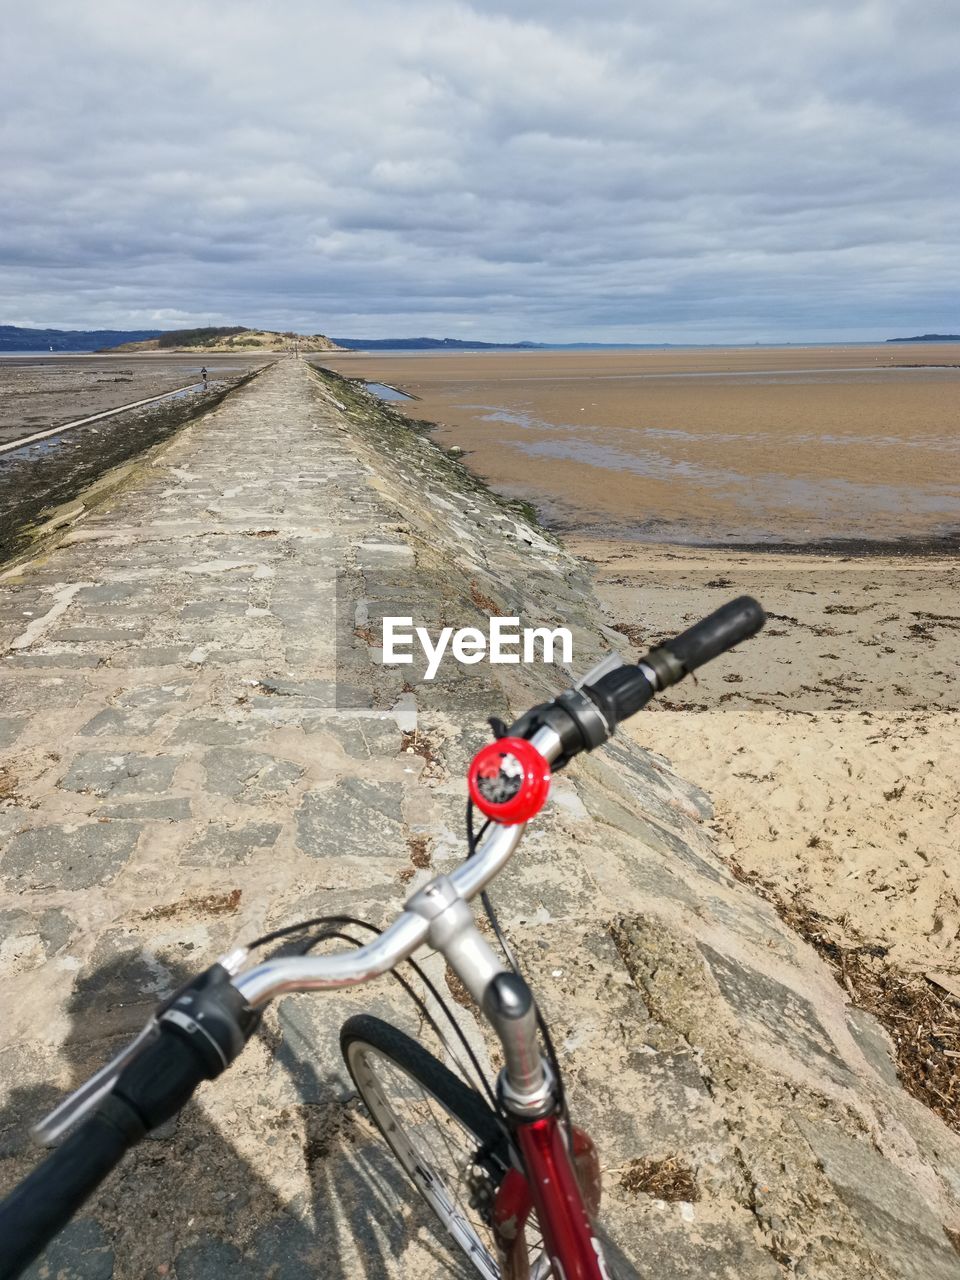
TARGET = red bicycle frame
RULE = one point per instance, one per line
(563, 1191)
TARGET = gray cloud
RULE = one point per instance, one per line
(699, 172)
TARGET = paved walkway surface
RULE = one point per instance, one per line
(187, 757)
(170, 740)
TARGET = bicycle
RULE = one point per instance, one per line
(531, 1178)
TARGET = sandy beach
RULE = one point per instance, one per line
(829, 743)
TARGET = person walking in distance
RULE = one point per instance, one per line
(205, 377)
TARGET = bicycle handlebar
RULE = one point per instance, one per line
(47, 1199)
(400, 939)
(195, 1036)
(579, 719)
(199, 1031)
(707, 639)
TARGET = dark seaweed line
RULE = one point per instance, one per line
(32, 488)
(12, 446)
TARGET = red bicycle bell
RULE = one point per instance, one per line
(509, 780)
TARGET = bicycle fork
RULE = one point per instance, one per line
(562, 1186)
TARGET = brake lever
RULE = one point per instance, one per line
(576, 706)
(82, 1101)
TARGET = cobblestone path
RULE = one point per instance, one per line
(169, 748)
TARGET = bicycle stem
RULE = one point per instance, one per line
(503, 995)
(438, 914)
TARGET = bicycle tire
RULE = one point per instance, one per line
(470, 1110)
(366, 1043)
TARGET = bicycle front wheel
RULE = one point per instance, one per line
(448, 1140)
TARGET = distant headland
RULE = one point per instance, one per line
(222, 339)
(235, 339)
(212, 339)
(929, 337)
(230, 339)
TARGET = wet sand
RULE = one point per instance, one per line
(708, 446)
(38, 392)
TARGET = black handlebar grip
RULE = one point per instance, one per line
(151, 1089)
(708, 638)
(44, 1203)
(162, 1079)
(621, 693)
(202, 1029)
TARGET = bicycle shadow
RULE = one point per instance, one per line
(324, 1197)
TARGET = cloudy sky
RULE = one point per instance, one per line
(543, 169)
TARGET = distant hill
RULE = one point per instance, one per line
(212, 338)
(930, 337)
(429, 344)
(234, 338)
(15, 338)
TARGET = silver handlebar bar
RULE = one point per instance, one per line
(400, 939)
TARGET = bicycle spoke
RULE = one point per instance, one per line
(439, 1152)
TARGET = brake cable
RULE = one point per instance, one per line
(328, 931)
(472, 840)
